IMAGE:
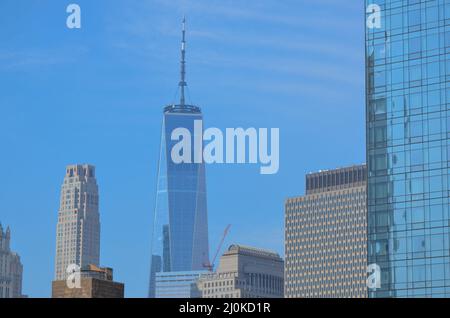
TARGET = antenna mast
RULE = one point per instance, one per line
(183, 83)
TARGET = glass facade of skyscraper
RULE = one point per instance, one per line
(408, 147)
(180, 229)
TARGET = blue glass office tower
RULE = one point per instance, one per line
(408, 147)
(180, 225)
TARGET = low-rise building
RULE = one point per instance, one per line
(177, 284)
(95, 282)
(245, 272)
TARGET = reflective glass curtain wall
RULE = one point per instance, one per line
(408, 147)
(180, 228)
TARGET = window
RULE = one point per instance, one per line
(418, 243)
(415, 101)
(418, 215)
(434, 98)
(397, 48)
(414, 45)
(415, 73)
(414, 17)
(435, 213)
(416, 157)
(432, 41)
(433, 69)
(416, 129)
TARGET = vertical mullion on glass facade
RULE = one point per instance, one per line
(408, 147)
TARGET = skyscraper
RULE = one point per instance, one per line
(10, 268)
(408, 147)
(78, 228)
(180, 225)
(326, 236)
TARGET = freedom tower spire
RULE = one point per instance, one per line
(180, 246)
(183, 83)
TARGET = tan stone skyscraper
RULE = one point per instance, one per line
(78, 229)
(326, 236)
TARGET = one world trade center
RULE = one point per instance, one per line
(180, 223)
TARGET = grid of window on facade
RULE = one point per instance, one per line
(248, 285)
(221, 285)
(408, 147)
(77, 233)
(177, 284)
(325, 243)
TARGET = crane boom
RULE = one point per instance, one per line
(210, 266)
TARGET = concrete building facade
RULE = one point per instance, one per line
(326, 236)
(245, 272)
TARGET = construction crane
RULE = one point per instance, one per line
(210, 265)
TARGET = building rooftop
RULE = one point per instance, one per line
(182, 109)
(328, 180)
(241, 249)
(94, 271)
(81, 170)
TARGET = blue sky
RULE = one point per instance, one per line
(96, 95)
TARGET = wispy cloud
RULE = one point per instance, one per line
(284, 52)
(297, 44)
(305, 68)
(14, 59)
(264, 12)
